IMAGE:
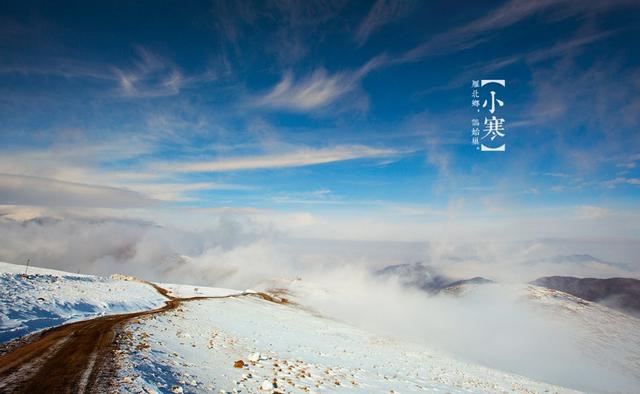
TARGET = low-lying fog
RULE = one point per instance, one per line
(493, 325)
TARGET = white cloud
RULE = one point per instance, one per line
(28, 190)
(148, 75)
(478, 31)
(317, 90)
(179, 191)
(416, 210)
(82, 164)
(592, 212)
(152, 76)
(381, 13)
(622, 181)
(298, 158)
(629, 161)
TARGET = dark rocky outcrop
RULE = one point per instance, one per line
(426, 278)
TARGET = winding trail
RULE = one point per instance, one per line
(75, 357)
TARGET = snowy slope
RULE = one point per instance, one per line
(607, 337)
(523, 329)
(185, 291)
(287, 349)
(47, 298)
(244, 343)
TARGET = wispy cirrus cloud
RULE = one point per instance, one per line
(479, 30)
(71, 168)
(297, 158)
(68, 170)
(180, 191)
(72, 160)
(152, 76)
(622, 181)
(591, 212)
(381, 13)
(30, 190)
(237, 24)
(474, 33)
(321, 196)
(147, 75)
(317, 90)
(60, 66)
(561, 48)
(628, 161)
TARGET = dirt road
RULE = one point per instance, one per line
(72, 358)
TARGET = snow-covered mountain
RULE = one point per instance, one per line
(252, 342)
(250, 345)
(425, 278)
(45, 298)
(618, 293)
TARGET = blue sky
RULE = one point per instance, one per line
(327, 109)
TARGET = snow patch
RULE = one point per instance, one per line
(46, 298)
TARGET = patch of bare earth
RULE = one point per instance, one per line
(73, 358)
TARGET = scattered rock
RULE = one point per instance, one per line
(266, 385)
(238, 364)
(254, 357)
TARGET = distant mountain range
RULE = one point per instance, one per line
(618, 293)
(426, 278)
(580, 260)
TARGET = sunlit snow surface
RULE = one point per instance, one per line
(608, 338)
(194, 349)
(186, 291)
(47, 298)
(290, 348)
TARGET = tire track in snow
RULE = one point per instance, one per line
(74, 357)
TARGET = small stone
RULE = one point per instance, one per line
(254, 357)
(266, 385)
(238, 364)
